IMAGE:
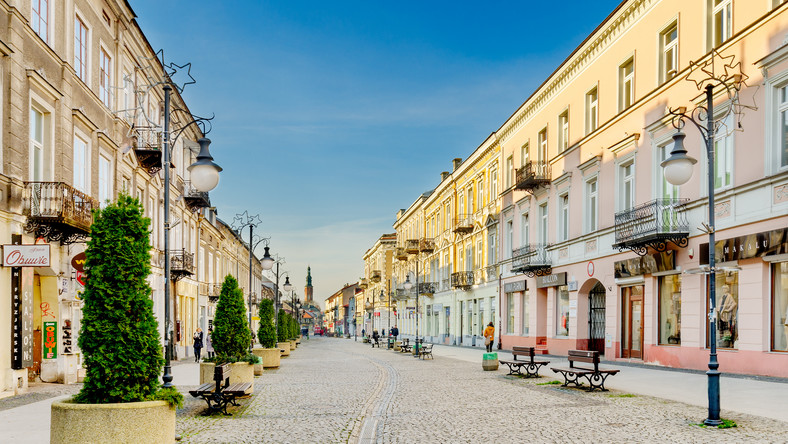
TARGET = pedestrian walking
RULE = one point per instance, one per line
(198, 335)
(383, 332)
(209, 342)
(375, 337)
(363, 333)
(489, 335)
(394, 332)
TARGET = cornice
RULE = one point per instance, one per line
(42, 84)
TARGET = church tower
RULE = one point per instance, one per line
(308, 288)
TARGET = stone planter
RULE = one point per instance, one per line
(241, 372)
(293, 344)
(130, 422)
(284, 346)
(271, 356)
(490, 362)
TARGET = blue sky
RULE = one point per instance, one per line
(332, 115)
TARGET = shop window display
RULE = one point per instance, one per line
(563, 311)
(670, 309)
(727, 309)
(780, 306)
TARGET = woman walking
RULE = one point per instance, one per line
(209, 342)
(489, 335)
(197, 344)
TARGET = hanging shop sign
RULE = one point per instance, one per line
(26, 255)
(513, 287)
(67, 347)
(551, 280)
(78, 263)
(21, 314)
(767, 243)
(648, 264)
(50, 340)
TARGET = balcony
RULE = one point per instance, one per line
(181, 264)
(212, 291)
(147, 148)
(427, 288)
(362, 283)
(532, 175)
(463, 224)
(194, 199)
(426, 245)
(533, 260)
(58, 212)
(492, 273)
(401, 254)
(652, 224)
(412, 246)
(462, 279)
(375, 276)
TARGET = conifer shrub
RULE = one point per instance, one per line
(281, 327)
(231, 334)
(119, 337)
(266, 332)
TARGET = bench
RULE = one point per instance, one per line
(531, 366)
(405, 346)
(220, 392)
(596, 376)
(425, 350)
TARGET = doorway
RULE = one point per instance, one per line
(596, 318)
(632, 328)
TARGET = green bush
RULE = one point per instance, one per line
(119, 336)
(231, 335)
(266, 333)
(281, 326)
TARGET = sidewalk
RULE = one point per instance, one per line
(767, 398)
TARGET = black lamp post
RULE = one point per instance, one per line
(678, 170)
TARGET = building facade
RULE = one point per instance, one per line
(375, 313)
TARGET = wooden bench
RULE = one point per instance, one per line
(531, 365)
(405, 346)
(220, 392)
(425, 350)
(596, 376)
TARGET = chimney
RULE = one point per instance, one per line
(456, 163)
(444, 175)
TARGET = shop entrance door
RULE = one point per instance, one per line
(632, 343)
(596, 319)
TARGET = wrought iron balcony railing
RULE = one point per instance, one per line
(375, 276)
(412, 246)
(181, 264)
(195, 199)
(427, 288)
(58, 212)
(362, 283)
(463, 224)
(533, 260)
(532, 175)
(462, 279)
(147, 148)
(492, 273)
(212, 291)
(401, 254)
(652, 224)
(445, 284)
(426, 245)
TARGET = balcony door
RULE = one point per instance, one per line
(632, 328)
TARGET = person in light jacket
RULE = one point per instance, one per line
(209, 343)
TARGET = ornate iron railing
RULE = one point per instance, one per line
(533, 259)
(181, 262)
(195, 199)
(462, 279)
(375, 276)
(445, 284)
(652, 224)
(362, 283)
(532, 175)
(426, 245)
(492, 273)
(412, 246)
(427, 287)
(401, 254)
(57, 211)
(463, 224)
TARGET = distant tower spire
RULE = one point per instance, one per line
(308, 288)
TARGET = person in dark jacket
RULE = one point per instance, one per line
(197, 344)
(394, 332)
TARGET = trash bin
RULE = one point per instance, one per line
(490, 362)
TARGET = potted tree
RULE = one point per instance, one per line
(266, 334)
(231, 336)
(281, 333)
(122, 352)
(291, 330)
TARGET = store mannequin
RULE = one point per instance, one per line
(727, 312)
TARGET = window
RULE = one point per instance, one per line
(525, 154)
(469, 258)
(723, 159)
(493, 185)
(509, 168)
(105, 180)
(563, 131)
(780, 306)
(128, 96)
(562, 311)
(542, 152)
(543, 224)
(592, 111)
(727, 291)
(525, 230)
(592, 205)
(721, 15)
(524, 331)
(492, 254)
(563, 217)
(669, 44)
(670, 309)
(479, 253)
(480, 193)
(39, 145)
(627, 186)
(39, 19)
(626, 83)
(81, 165)
(81, 49)
(782, 109)
(105, 72)
(470, 199)
(667, 190)
(510, 312)
(509, 236)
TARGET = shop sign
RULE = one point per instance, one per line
(513, 287)
(21, 314)
(767, 243)
(571, 285)
(50, 340)
(551, 280)
(67, 336)
(648, 264)
(437, 308)
(26, 255)
(78, 263)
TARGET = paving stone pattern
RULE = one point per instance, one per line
(336, 391)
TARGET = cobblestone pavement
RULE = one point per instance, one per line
(337, 390)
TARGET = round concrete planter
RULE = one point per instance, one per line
(241, 372)
(271, 356)
(130, 422)
(284, 346)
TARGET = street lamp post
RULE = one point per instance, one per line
(268, 264)
(204, 177)
(408, 285)
(242, 221)
(678, 170)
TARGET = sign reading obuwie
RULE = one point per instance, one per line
(26, 255)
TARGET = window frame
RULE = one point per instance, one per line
(105, 77)
(668, 51)
(563, 217)
(725, 6)
(81, 52)
(563, 131)
(592, 204)
(626, 83)
(36, 19)
(85, 174)
(592, 110)
(542, 146)
(622, 181)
